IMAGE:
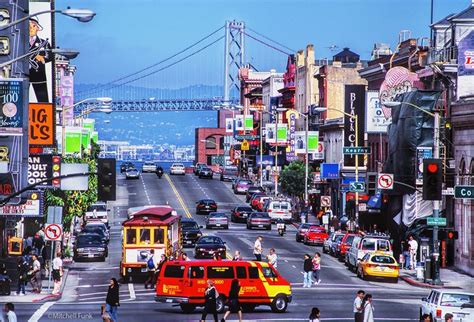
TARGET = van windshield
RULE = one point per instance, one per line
(368, 244)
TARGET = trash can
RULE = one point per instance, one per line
(420, 271)
(428, 269)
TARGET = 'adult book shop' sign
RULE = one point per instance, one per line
(43, 166)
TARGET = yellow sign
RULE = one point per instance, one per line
(245, 146)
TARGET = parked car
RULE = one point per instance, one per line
(217, 220)
(97, 212)
(362, 245)
(205, 206)
(251, 190)
(149, 166)
(378, 265)
(302, 229)
(177, 168)
(191, 231)
(229, 173)
(259, 220)
(440, 302)
(240, 213)
(241, 186)
(207, 246)
(89, 229)
(279, 209)
(132, 173)
(206, 172)
(125, 165)
(98, 225)
(315, 235)
(344, 244)
(197, 167)
(89, 246)
(334, 246)
(329, 242)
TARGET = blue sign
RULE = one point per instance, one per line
(348, 181)
(267, 160)
(329, 171)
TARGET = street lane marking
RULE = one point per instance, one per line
(146, 191)
(40, 312)
(178, 196)
(132, 291)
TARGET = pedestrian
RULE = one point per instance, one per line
(57, 273)
(38, 244)
(308, 271)
(257, 248)
(151, 268)
(368, 308)
(163, 260)
(316, 267)
(272, 258)
(185, 257)
(314, 316)
(406, 254)
(358, 308)
(426, 318)
(210, 297)
(413, 247)
(10, 314)
(35, 275)
(237, 256)
(22, 268)
(448, 317)
(112, 301)
(233, 302)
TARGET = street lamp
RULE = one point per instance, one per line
(436, 143)
(355, 118)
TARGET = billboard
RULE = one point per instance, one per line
(466, 65)
(41, 167)
(66, 95)
(282, 133)
(229, 125)
(300, 142)
(354, 104)
(41, 59)
(239, 123)
(41, 124)
(248, 123)
(270, 133)
(31, 207)
(73, 140)
(11, 103)
(312, 141)
(375, 120)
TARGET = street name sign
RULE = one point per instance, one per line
(464, 192)
(432, 221)
(246, 137)
(356, 150)
(356, 186)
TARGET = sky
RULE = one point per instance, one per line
(127, 35)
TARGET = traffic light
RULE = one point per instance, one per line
(371, 183)
(432, 179)
(106, 177)
(448, 235)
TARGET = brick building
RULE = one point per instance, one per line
(209, 143)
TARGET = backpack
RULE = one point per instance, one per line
(150, 264)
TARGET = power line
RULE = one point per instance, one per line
(95, 89)
(274, 41)
(266, 44)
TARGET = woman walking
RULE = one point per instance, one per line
(308, 270)
(368, 308)
(234, 305)
(112, 300)
(210, 297)
(314, 316)
(317, 267)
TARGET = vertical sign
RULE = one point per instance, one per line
(422, 152)
(270, 133)
(300, 142)
(239, 122)
(375, 120)
(354, 104)
(11, 106)
(248, 126)
(313, 140)
(41, 124)
(291, 149)
(282, 133)
(66, 95)
(229, 125)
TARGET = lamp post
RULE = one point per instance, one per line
(436, 144)
(355, 118)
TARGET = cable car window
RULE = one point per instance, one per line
(145, 236)
(159, 236)
(131, 236)
(174, 271)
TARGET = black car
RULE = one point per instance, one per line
(259, 220)
(89, 229)
(206, 206)
(205, 172)
(125, 165)
(208, 246)
(251, 190)
(90, 246)
(240, 213)
(191, 231)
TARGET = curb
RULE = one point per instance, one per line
(420, 284)
(53, 297)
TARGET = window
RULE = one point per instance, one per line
(383, 260)
(368, 244)
(253, 272)
(366, 257)
(211, 143)
(241, 272)
(452, 299)
(220, 272)
(196, 272)
(145, 236)
(383, 245)
(174, 271)
(268, 272)
(159, 236)
(131, 236)
(436, 298)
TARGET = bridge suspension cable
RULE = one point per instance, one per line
(266, 44)
(273, 41)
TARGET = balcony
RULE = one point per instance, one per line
(447, 55)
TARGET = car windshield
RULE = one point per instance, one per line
(95, 230)
(208, 202)
(453, 299)
(88, 240)
(149, 163)
(189, 225)
(179, 165)
(210, 240)
(317, 229)
(261, 215)
(95, 226)
(98, 208)
(383, 260)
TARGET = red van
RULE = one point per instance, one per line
(184, 282)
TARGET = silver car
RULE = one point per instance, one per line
(132, 173)
(217, 220)
(149, 166)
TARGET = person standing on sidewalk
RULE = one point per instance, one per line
(358, 308)
(22, 268)
(272, 258)
(35, 274)
(413, 244)
(368, 308)
(112, 300)
(307, 271)
(316, 267)
(406, 254)
(257, 248)
(57, 273)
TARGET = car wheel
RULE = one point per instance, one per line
(208, 227)
(394, 280)
(187, 308)
(220, 304)
(226, 227)
(248, 227)
(279, 304)
(269, 228)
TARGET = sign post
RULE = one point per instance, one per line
(52, 233)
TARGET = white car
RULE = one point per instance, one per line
(177, 168)
(149, 166)
(367, 244)
(440, 302)
(97, 212)
(279, 209)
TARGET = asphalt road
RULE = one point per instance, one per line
(87, 282)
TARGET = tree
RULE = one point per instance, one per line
(292, 179)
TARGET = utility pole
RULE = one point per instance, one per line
(436, 275)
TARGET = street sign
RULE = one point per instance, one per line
(53, 232)
(362, 207)
(325, 201)
(356, 150)
(440, 221)
(464, 192)
(246, 137)
(385, 181)
(448, 192)
(356, 186)
(237, 154)
(245, 146)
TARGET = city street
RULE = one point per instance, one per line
(87, 282)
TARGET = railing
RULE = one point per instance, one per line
(447, 55)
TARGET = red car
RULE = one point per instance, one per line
(343, 246)
(315, 235)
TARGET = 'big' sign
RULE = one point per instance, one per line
(41, 125)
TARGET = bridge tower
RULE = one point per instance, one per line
(233, 57)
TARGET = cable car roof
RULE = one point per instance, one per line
(152, 216)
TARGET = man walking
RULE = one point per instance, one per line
(358, 308)
(35, 274)
(273, 258)
(257, 248)
(57, 273)
(413, 247)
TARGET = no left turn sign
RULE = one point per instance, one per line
(325, 201)
(385, 181)
(53, 232)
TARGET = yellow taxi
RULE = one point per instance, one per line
(378, 265)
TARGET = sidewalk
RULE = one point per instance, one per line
(450, 278)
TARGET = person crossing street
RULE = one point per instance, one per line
(257, 248)
(307, 271)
